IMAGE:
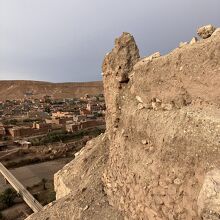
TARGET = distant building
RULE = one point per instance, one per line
(23, 143)
(84, 112)
(42, 126)
(20, 131)
(24, 131)
(91, 123)
(72, 127)
(60, 114)
(79, 118)
(60, 121)
(93, 107)
(83, 125)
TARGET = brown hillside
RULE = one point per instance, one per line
(19, 89)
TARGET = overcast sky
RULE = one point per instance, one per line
(66, 40)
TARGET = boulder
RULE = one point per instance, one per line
(194, 40)
(182, 44)
(121, 59)
(206, 31)
(209, 196)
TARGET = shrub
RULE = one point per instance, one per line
(51, 197)
(8, 196)
(1, 216)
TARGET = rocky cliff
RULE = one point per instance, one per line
(160, 155)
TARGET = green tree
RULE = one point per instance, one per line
(8, 197)
(47, 109)
(44, 181)
(1, 216)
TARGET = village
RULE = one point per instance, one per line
(39, 136)
(20, 119)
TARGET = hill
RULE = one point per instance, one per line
(17, 89)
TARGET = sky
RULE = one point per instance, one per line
(66, 40)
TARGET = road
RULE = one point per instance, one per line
(7, 153)
(28, 198)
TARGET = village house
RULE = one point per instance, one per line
(84, 112)
(83, 125)
(43, 127)
(79, 118)
(93, 107)
(20, 131)
(23, 143)
(91, 123)
(60, 121)
(72, 127)
(23, 131)
(60, 114)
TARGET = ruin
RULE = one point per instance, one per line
(161, 143)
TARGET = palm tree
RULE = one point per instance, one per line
(44, 181)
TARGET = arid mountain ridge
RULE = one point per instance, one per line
(18, 89)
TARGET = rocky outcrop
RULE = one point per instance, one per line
(162, 138)
(161, 145)
(206, 31)
(79, 188)
(209, 196)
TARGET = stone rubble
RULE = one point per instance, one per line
(193, 41)
(182, 44)
(209, 196)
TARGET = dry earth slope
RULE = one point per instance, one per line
(17, 89)
(160, 155)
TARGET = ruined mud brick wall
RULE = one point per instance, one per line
(160, 155)
(163, 123)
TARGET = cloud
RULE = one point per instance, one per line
(56, 40)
